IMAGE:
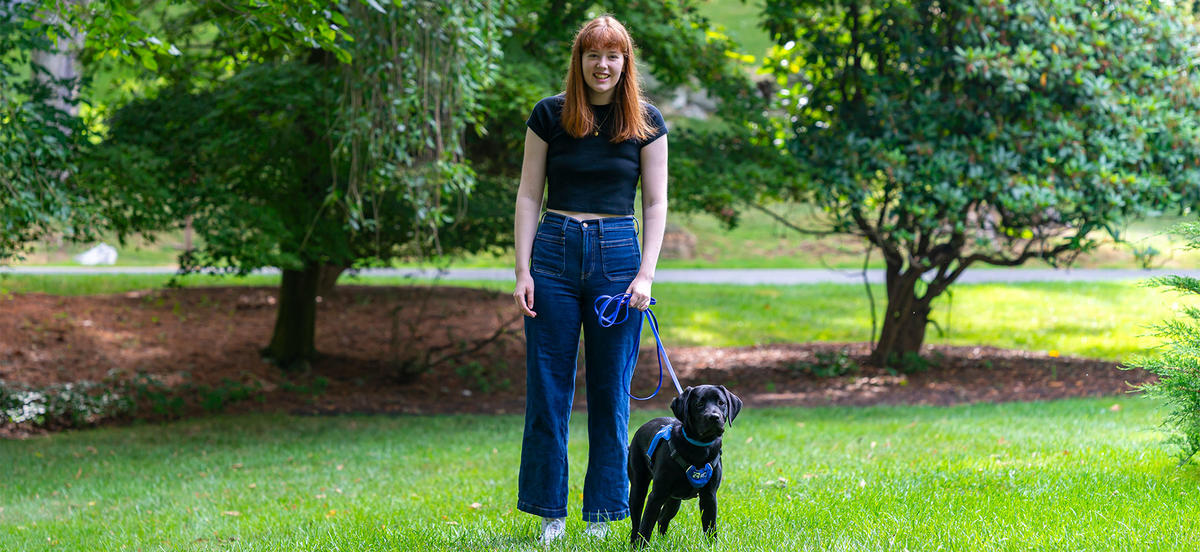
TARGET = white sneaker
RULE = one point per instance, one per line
(596, 529)
(552, 529)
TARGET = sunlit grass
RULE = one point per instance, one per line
(1101, 319)
(102, 284)
(740, 20)
(1067, 475)
(1092, 319)
(757, 242)
(762, 242)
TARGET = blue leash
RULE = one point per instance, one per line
(614, 309)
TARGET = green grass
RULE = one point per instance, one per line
(1091, 319)
(1068, 475)
(1100, 320)
(740, 20)
(758, 242)
(104, 284)
(163, 250)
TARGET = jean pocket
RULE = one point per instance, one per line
(620, 259)
(549, 254)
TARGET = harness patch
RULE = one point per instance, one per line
(697, 477)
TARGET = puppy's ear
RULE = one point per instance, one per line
(679, 405)
(733, 405)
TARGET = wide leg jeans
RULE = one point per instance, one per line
(572, 263)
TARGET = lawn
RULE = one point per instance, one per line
(757, 242)
(1093, 319)
(1067, 475)
(740, 20)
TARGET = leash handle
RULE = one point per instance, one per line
(614, 309)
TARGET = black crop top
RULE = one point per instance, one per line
(590, 174)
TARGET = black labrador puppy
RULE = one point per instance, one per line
(682, 455)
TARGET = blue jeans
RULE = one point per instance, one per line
(572, 263)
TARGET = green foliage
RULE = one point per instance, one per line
(247, 160)
(908, 362)
(952, 133)
(143, 396)
(1177, 363)
(38, 142)
(1005, 131)
(61, 405)
(483, 378)
(402, 148)
(829, 364)
(678, 47)
(721, 170)
(148, 33)
(295, 160)
(299, 157)
(226, 392)
(314, 388)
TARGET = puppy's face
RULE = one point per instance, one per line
(705, 410)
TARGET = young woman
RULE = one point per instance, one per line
(589, 146)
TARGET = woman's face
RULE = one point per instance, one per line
(601, 72)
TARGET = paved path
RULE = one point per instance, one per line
(750, 276)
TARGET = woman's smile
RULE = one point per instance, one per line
(602, 71)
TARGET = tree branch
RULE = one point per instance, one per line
(1025, 255)
(784, 221)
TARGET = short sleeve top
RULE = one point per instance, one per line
(590, 174)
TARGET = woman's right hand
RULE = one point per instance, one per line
(523, 294)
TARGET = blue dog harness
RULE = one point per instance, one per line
(697, 477)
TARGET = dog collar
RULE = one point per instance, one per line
(695, 442)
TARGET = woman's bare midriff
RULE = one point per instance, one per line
(583, 216)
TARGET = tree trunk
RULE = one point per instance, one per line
(61, 66)
(328, 278)
(188, 230)
(292, 345)
(905, 319)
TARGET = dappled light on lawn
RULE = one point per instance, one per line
(1078, 474)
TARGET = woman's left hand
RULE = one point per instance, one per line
(639, 292)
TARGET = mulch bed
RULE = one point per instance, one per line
(372, 337)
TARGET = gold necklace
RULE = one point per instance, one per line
(596, 131)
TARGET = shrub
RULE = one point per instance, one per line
(1177, 364)
(85, 403)
(829, 364)
(910, 362)
(61, 405)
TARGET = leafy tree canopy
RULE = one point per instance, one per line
(951, 133)
(38, 142)
(249, 29)
(293, 159)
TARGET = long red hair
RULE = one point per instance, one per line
(629, 117)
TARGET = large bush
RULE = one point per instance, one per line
(953, 134)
